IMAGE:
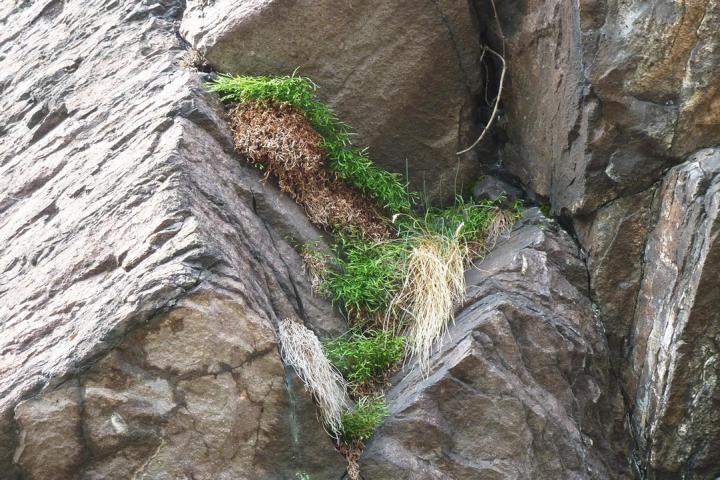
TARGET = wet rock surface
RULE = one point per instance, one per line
(520, 387)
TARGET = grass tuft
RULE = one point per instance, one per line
(351, 163)
(367, 274)
(365, 357)
(301, 349)
(360, 421)
(315, 266)
(433, 288)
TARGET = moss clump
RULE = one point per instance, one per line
(351, 163)
(363, 357)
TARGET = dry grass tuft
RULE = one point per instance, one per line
(315, 265)
(280, 140)
(194, 60)
(434, 286)
(501, 223)
(301, 349)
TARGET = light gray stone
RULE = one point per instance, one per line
(134, 263)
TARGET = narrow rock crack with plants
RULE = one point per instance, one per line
(396, 270)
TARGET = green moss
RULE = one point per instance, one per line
(351, 163)
(367, 273)
(545, 208)
(360, 422)
(364, 357)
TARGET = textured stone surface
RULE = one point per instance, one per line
(674, 351)
(143, 266)
(134, 263)
(50, 443)
(520, 388)
(605, 95)
(630, 89)
(615, 237)
(402, 73)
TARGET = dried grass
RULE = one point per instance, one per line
(315, 266)
(301, 349)
(352, 452)
(279, 139)
(434, 286)
(194, 60)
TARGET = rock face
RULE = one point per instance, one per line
(143, 266)
(202, 393)
(629, 89)
(674, 348)
(520, 388)
(404, 73)
(139, 286)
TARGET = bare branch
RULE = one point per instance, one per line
(497, 102)
(502, 79)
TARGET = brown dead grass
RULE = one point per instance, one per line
(352, 452)
(281, 140)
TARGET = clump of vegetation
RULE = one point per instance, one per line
(367, 274)
(473, 222)
(351, 163)
(433, 287)
(302, 350)
(392, 277)
(364, 357)
(316, 265)
(546, 209)
(279, 139)
(360, 421)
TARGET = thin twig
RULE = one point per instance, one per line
(499, 26)
(502, 79)
(497, 103)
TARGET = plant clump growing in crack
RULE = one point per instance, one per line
(365, 358)
(352, 164)
(360, 421)
(396, 274)
(302, 350)
(278, 138)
